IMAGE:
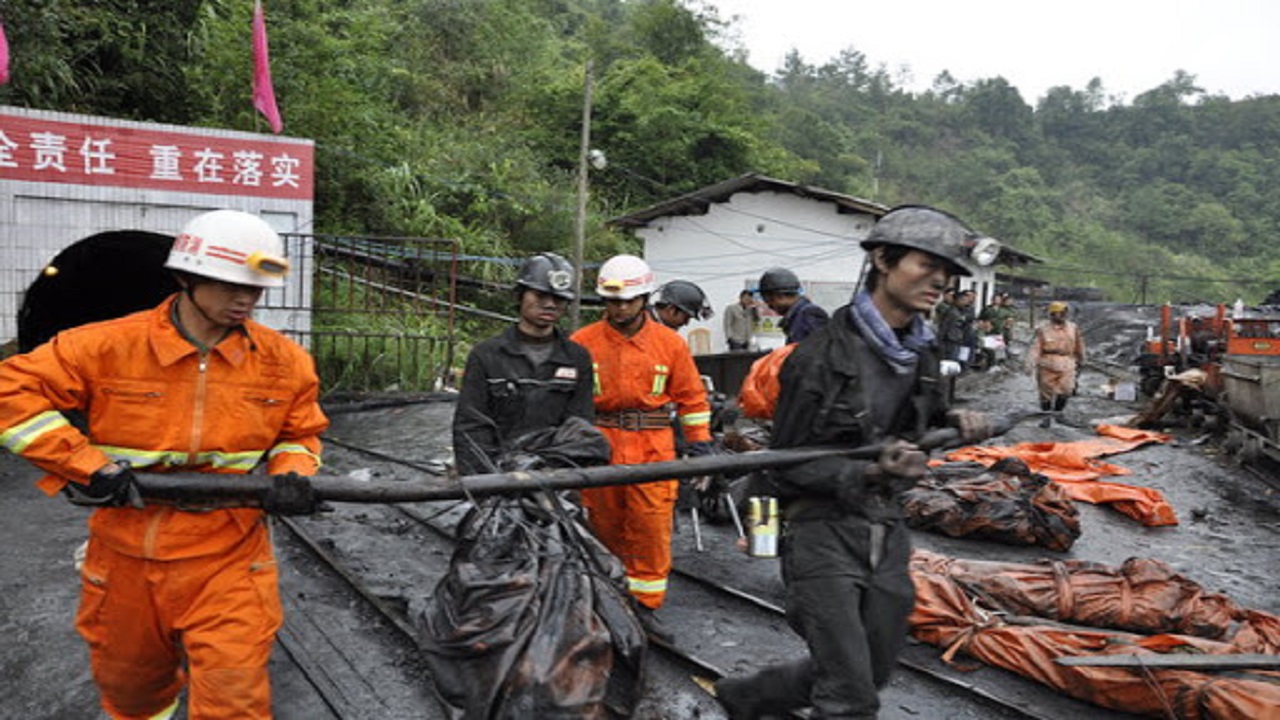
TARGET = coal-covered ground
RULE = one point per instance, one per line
(1227, 540)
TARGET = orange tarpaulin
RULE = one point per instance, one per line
(758, 396)
(1075, 465)
(951, 615)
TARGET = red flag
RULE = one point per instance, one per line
(264, 96)
(4, 56)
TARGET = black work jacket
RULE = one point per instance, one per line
(503, 396)
(802, 320)
(825, 400)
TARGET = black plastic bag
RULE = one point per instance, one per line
(533, 619)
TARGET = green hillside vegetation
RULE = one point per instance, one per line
(461, 118)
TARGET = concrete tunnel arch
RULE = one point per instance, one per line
(103, 276)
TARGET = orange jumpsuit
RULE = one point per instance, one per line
(160, 577)
(647, 372)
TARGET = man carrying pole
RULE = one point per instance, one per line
(175, 593)
(870, 375)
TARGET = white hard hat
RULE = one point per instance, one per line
(231, 246)
(623, 277)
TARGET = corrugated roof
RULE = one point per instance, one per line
(698, 201)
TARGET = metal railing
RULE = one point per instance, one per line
(377, 313)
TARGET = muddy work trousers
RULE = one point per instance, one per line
(217, 615)
(852, 616)
(1055, 384)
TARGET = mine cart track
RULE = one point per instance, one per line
(750, 610)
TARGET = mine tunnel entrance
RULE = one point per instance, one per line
(101, 277)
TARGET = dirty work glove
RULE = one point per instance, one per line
(699, 449)
(291, 494)
(111, 486)
(902, 465)
(690, 491)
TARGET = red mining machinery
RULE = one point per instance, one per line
(1218, 371)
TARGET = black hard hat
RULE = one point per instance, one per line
(549, 273)
(685, 296)
(936, 232)
(779, 279)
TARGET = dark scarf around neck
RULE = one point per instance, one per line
(901, 354)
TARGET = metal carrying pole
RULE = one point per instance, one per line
(229, 490)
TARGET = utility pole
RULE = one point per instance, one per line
(875, 176)
(580, 221)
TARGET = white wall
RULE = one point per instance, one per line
(726, 250)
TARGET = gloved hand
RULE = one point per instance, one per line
(902, 465)
(113, 485)
(700, 449)
(291, 494)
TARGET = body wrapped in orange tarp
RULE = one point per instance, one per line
(1075, 465)
(976, 608)
(758, 396)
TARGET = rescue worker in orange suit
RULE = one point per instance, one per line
(871, 375)
(1055, 356)
(680, 302)
(642, 370)
(529, 377)
(175, 595)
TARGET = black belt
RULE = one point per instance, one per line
(635, 419)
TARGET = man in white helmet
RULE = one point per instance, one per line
(643, 370)
(177, 595)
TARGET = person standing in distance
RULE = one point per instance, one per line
(1054, 358)
(176, 595)
(643, 372)
(870, 376)
(780, 290)
(740, 321)
(529, 377)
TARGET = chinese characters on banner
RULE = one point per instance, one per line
(41, 150)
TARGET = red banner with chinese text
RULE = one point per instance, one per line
(44, 150)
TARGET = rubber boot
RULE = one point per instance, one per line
(653, 625)
(776, 690)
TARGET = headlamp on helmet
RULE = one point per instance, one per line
(936, 232)
(549, 273)
(983, 250)
(267, 264)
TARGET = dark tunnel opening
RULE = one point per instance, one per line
(101, 277)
